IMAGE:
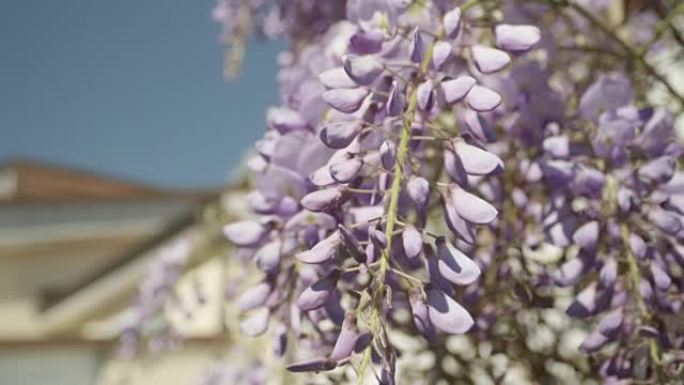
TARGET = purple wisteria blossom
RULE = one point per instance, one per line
(491, 187)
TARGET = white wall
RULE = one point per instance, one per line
(49, 366)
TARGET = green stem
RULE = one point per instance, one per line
(395, 189)
(635, 278)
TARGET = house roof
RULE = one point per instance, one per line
(81, 237)
(28, 181)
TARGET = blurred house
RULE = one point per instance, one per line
(73, 248)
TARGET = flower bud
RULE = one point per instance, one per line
(323, 251)
(255, 296)
(425, 95)
(256, 322)
(316, 295)
(489, 60)
(313, 365)
(268, 256)
(418, 47)
(452, 22)
(455, 266)
(482, 99)
(244, 233)
(345, 100)
(446, 314)
(336, 78)
(440, 54)
(471, 207)
(347, 339)
(516, 38)
(345, 171)
(586, 236)
(454, 90)
(388, 154)
(326, 199)
(338, 135)
(284, 119)
(363, 69)
(412, 241)
(475, 160)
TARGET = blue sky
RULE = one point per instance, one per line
(130, 88)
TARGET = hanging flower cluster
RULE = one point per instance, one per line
(352, 166)
(486, 183)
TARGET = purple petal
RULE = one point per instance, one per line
(323, 251)
(285, 120)
(516, 38)
(399, 5)
(268, 256)
(345, 100)
(446, 314)
(256, 323)
(454, 90)
(475, 160)
(489, 60)
(584, 304)
(586, 236)
(569, 273)
(638, 246)
(609, 92)
(479, 126)
(425, 95)
(366, 42)
(661, 279)
(305, 218)
(471, 207)
(589, 181)
(625, 199)
(313, 365)
(482, 99)
(645, 290)
(412, 241)
(593, 342)
(338, 135)
(260, 203)
(454, 265)
(280, 343)
(611, 323)
(245, 233)
(659, 170)
(254, 296)
(609, 272)
(421, 317)
(440, 54)
(346, 340)
(388, 154)
(418, 189)
(352, 245)
(395, 100)
(648, 331)
(557, 146)
(336, 78)
(377, 237)
(316, 295)
(326, 199)
(417, 46)
(667, 221)
(454, 167)
(322, 177)
(457, 224)
(452, 22)
(346, 170)
(363, 69)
